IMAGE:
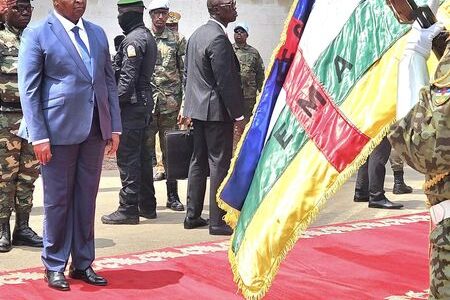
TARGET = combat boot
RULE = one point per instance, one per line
(173, 201)
(23, 235)
(5, 236)
(400, 186)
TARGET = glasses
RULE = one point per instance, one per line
(231, 4)
(22, 8)
(240, 31)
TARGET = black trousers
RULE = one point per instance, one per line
(135, 166)
(213, 145)
(370, 179)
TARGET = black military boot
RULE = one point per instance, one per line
(23, 235)
(118, 217)
(400, 186)
(173, 201)
(5, 236)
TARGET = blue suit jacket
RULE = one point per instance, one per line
(56, 90)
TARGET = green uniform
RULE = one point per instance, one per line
(18, 165)
(396, 161)
(422, 139)
(252, 75)
(167, 82)
(252, 79)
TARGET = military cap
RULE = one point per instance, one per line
(241, 25)
(174, 17)
(158, 4)
(130, 3)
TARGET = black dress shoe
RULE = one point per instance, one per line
(88, 276)
(220, 230)
(56, 280)
(385, 203)
(148, 215)
(194, 223)
(117, 218)
(360, 199)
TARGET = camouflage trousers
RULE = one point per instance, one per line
(19, 168)
(160, 124)
(396, 161)
(249, 103)
(439, 266)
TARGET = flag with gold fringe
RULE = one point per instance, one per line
(327, 102)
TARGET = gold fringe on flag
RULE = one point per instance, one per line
(307, 220)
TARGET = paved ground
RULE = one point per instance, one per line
(167, 230)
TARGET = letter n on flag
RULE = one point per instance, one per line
(327, 102)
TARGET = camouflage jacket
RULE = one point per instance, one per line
(422, 137)
(252, 70)
(167, 80)
(9, 52)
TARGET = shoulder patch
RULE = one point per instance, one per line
(131, 51)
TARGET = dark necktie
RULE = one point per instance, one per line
(85, 56)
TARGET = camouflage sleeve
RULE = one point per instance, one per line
(260, 73)
(181, 52)
(422, 137)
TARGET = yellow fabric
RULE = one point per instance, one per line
(371, 108)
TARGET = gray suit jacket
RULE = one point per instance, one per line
(213, 84)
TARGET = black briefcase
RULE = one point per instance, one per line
(179, 147)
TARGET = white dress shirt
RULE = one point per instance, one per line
(68, 26)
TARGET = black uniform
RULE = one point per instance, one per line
(134, 64)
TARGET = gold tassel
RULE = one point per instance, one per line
(307, 220)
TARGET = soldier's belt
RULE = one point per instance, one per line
(440, 211)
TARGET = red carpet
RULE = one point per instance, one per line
(374, 259)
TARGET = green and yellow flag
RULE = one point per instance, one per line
(328, 100)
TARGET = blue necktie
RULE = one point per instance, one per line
(85, 56)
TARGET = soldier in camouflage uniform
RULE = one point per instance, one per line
(167, 83)
(172, 24)
(18, 165)
(422, 140)
(252, 75)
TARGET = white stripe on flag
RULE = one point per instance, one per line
(324, 24)
(279, 105)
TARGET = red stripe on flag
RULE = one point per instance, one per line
(294, 32)
(338, 139)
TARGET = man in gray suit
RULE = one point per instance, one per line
(213, 100)
(71, 112)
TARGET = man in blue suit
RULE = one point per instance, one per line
(71, 112)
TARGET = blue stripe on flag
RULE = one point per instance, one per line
(238, 184)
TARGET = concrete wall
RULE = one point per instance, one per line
(265, 18)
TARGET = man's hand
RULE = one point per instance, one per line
(183, 121)
(420, 39)
(240, 124)
(113, 144)
(43, 152)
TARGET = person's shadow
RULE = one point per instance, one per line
(130, 279)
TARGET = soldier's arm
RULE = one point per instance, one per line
(181, 52)
(259, 73)
(131, 65)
